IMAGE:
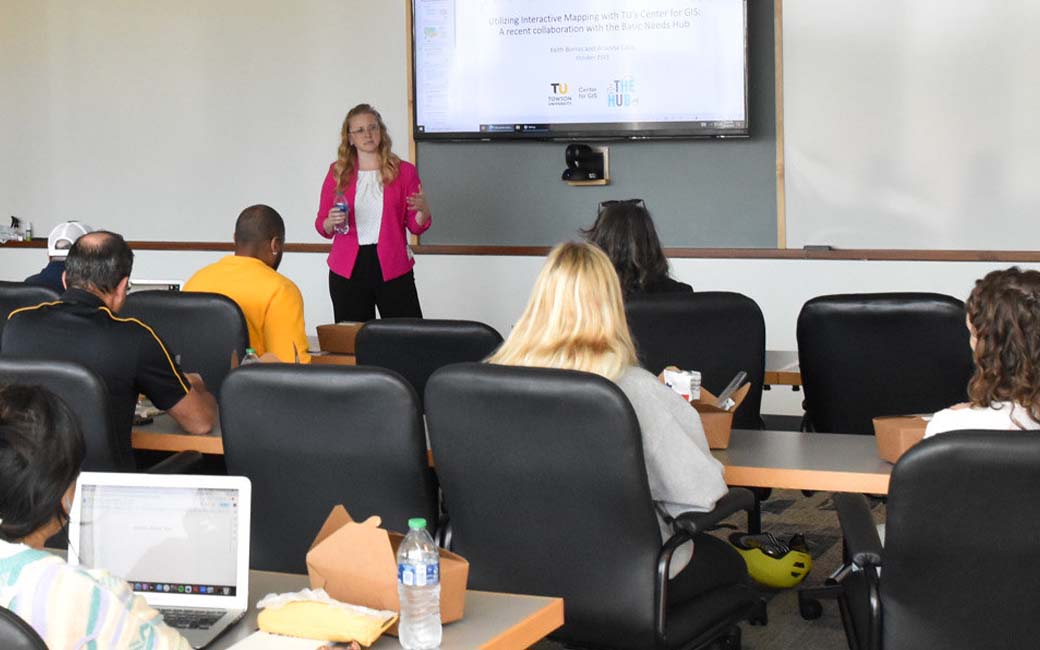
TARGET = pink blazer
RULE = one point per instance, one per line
(394, 255)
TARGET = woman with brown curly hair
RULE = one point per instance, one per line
(1004, 323)
(369, 198)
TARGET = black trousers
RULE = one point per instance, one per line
(356, 298)
(715, 564)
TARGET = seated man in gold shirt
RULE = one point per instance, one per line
(272, 304)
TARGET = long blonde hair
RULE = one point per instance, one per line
(575, 318)
(347, 161)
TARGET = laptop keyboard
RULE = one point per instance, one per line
(191, 619)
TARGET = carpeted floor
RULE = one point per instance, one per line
(785, 513)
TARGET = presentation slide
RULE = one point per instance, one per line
(486, 66)
(171, 535)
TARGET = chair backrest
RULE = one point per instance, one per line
(16, 634)
(545, 487)
(417, 347)
(718, 333)
(86, 395)
(203, 329)
(960, 567)
(868, 355)
(14, 295)
(312, 437)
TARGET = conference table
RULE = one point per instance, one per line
(782, 368)
(831, 462)
(492, 621)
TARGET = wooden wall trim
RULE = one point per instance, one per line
(862, 254)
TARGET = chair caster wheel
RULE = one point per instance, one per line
(810, 608)
(731, 640)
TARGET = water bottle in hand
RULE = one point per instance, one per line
(419, 589)
(341, 205)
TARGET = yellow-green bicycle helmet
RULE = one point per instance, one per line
(771, 562)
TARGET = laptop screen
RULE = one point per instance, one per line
(163, 539)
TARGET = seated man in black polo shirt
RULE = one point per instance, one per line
(127, 354)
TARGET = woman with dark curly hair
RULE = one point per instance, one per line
(1004, 323)
(626, 233)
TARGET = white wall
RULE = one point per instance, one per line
(162, 121)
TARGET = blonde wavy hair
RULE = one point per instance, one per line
(575, 318)
(347, 160)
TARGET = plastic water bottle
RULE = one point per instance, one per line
(250, 357)
(419, 589)
(341, 205)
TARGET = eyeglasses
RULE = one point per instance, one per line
(371, 128)
(603, 205)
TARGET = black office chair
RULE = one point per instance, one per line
(203, 329)
(545, 485)
(16, 634)
(312, 437)
(417, 347)
(15, 295)
(85, 394)
(869, 355)
(718, 333)
(959, 560)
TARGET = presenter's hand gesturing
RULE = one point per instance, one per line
(335, 218)
(418, 203)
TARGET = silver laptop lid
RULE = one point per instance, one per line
(178, 540)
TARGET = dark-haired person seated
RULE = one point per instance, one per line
(626, 233)
(84, 327)
(1004, 325)
(41, 450)
(271, 303)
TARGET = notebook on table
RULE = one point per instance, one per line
(181, 542)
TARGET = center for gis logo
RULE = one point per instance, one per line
(621, 93)
(558, 88)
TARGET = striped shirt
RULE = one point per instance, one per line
(76, 608)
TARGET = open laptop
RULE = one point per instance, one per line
(181, 542)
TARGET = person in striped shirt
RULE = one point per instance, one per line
(41, 450)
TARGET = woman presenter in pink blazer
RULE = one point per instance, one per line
(369, 199)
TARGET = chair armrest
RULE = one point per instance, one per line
(664, 563)
(858, 528)
(734, 501)
(183, 462)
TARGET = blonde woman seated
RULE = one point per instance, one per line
(575, 320)
(1004, 324)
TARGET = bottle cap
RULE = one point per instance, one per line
(417, 523)
(250, 351)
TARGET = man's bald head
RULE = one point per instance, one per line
(260, 233)
(258, 224)
(98, 262)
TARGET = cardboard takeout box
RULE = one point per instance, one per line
(357, 563)
(338, 338)
(717, 422)
(895, 434)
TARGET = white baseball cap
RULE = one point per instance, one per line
(64, 236)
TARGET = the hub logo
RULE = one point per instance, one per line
(622, 93)
(558, 88)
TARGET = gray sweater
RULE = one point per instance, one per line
(683, 474)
